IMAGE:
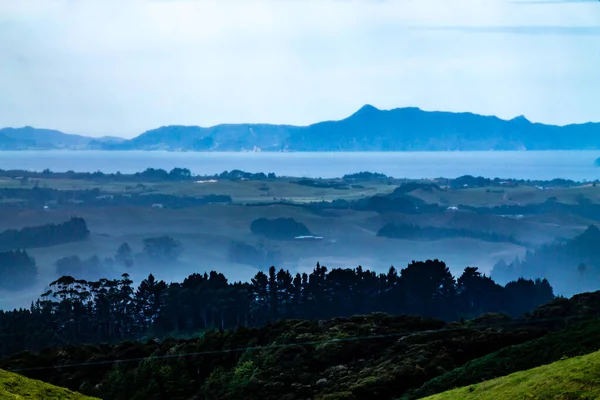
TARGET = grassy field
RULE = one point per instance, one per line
(17, 387)
(283, 189)
(575, 378)
(240, 191)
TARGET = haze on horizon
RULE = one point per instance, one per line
(119, 68)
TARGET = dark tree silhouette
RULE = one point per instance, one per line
(75, 310)
(163, 248)
(45, 235)
(17, 270)
(124, 255)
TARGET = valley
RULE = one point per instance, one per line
(341, 210)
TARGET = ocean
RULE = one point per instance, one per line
(538, 165)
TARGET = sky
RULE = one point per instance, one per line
(120, 67)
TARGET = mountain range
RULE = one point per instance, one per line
(368, 129)
(28, 138)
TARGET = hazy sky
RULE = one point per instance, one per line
(119, 67)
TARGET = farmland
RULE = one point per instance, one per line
(207, 232)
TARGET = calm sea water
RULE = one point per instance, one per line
(543, 165)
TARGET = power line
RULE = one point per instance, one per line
(308, 343)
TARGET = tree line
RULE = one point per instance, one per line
(140, 196)
(72, 230)
(415, 232)
(156, 250)
(149, 174)
(179, 174)
(479, 181)
(573, 265)
(79, 311)
(17, 269)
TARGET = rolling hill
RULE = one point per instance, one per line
(578, 377)
(368, 129)
(376, 356)
(28, 138)
(13, 386)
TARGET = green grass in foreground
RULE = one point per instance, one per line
(13, 386)
(574, 378)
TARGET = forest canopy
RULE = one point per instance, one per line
(45, 235)
(80, 311)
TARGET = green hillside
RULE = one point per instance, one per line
(13, 386)
(577, 340)
(376, 356)
(574, 378)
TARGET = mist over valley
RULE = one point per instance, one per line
(239, 223)
(294, 200)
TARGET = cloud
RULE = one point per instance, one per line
(557, 2)
(522, 30)
(121, 67)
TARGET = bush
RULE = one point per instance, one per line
(279, 228)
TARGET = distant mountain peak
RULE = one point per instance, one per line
(520, 118)
(367, 109)
(368, 129)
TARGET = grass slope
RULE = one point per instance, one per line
(576, 339)
(575, 378)
(13, 386)
(579, 339)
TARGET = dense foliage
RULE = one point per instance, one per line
(361, 357)
(45, 235)
(76, 310)
(303, 359)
